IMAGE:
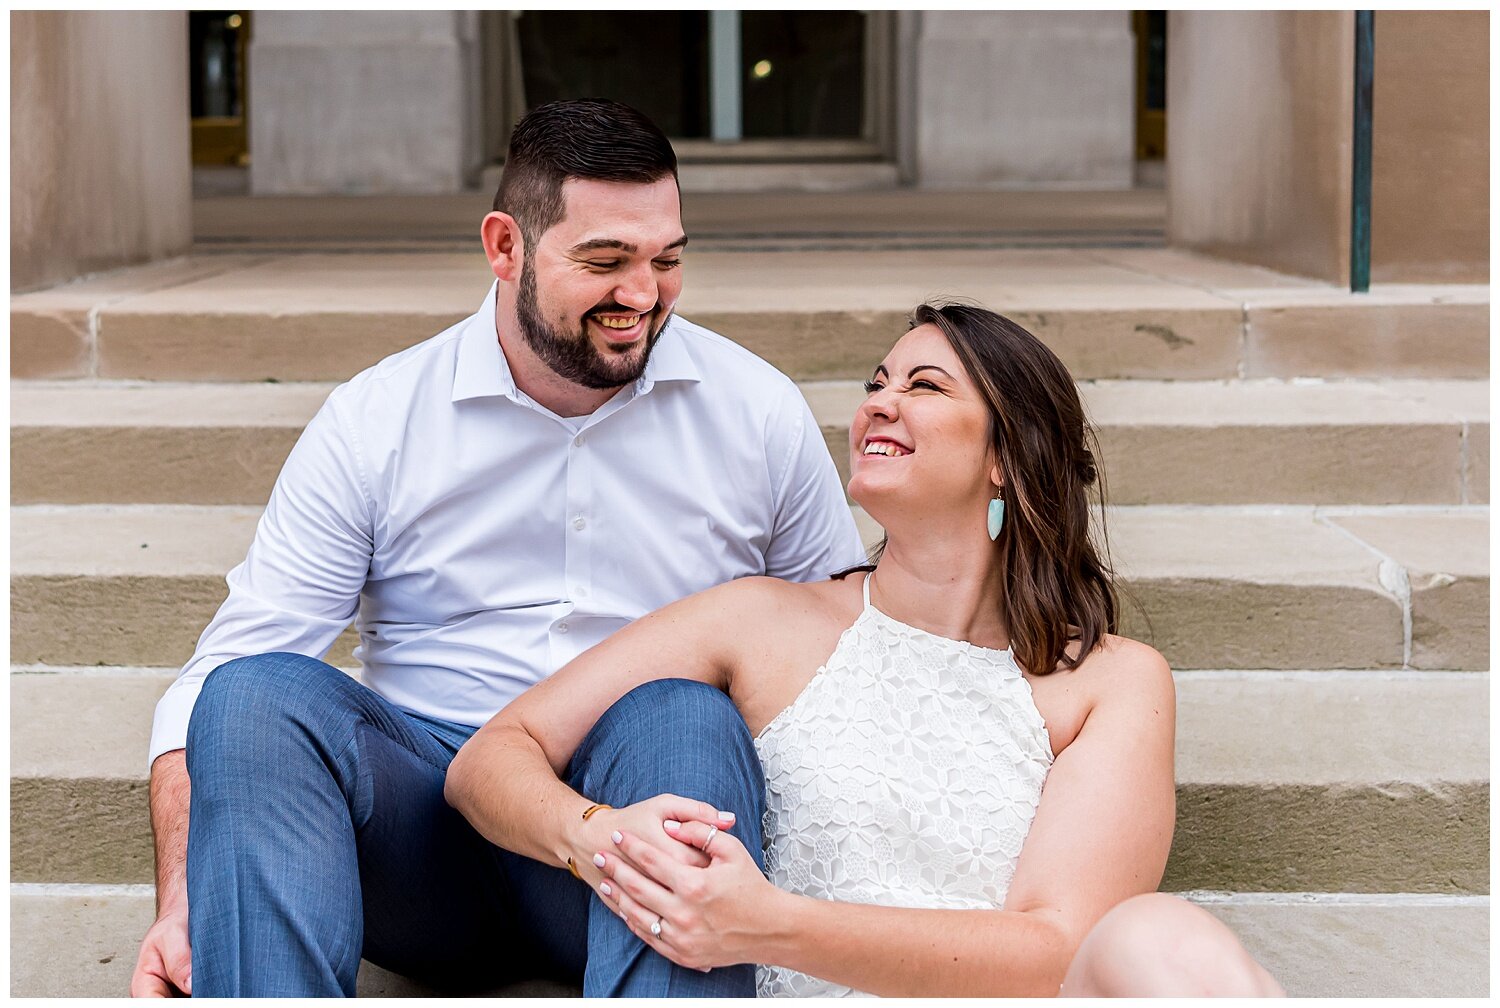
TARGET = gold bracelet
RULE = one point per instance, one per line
(586, 813)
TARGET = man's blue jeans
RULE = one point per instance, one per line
(319, 835)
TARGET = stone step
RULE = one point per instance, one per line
(1331, 781)
(81, 941)
(1265, 442)
(714, 220)
(169, 443)
(1212, 587)
(1234, 442)
(816, 314)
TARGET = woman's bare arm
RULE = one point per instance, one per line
(1101, 834)
(505, 778)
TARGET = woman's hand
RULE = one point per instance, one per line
(709, 916)
(593, 836)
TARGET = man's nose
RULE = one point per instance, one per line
(637, 288)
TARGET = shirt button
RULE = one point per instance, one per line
(578, 522)
(578, 441)
(562, 628)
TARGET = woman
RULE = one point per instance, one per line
(913, 845)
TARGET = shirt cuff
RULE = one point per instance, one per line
(170, 728)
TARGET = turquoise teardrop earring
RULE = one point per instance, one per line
(996, 515)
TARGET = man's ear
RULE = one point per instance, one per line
(503, 245)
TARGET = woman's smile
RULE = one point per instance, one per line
(884, 447)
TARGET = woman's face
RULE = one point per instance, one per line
(922, 434)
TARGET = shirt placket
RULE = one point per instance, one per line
(579, 533)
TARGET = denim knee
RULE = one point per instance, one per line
(252, 700)
(671, 735)
(669, 705)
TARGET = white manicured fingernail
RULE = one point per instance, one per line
(599, 860)
(616, 837)
(605, 889)
(672, 824)
(726, 817)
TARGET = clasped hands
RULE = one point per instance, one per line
(649, 867)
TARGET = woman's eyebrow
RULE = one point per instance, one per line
(928, 367)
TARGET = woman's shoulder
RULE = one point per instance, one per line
(779, 625)
(1121, 669)
(759, 599)
(1121, 681)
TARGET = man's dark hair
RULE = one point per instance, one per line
(590, 138)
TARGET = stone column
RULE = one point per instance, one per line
(1430, 177)
(363, 102)
(1024, 100)
(100, 170)
(1260, 135)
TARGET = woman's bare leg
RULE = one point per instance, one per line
(1162, 946)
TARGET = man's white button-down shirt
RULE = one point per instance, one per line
(480, 541)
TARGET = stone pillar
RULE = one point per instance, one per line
(363, 102)
(502, 97)
(100, 170)
(1260, 109)
(1024, 100)
(1430, 178)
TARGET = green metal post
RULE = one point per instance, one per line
(1364, 103)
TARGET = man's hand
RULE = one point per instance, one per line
(165, 965)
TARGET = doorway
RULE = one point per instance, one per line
(1150, 28)
(217, 44)
(787, 86)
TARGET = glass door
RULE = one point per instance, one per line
(1150, 29)
(655, 62)
(217, 41)
(780, 85)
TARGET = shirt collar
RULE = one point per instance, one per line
(482, 369)
(670, 360)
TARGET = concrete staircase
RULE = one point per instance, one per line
(1300, 488)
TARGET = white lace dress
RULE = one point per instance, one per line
(906, 773)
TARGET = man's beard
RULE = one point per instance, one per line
(573, 357)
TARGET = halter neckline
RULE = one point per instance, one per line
(871, 607)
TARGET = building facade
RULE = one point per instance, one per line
(1253, 111)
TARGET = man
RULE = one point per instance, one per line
(493, 501)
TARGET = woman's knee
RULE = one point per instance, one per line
(1161, 945)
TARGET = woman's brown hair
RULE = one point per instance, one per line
(1058, 587)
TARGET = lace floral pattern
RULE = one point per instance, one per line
(906, 773)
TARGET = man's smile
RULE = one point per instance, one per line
(622, 328)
